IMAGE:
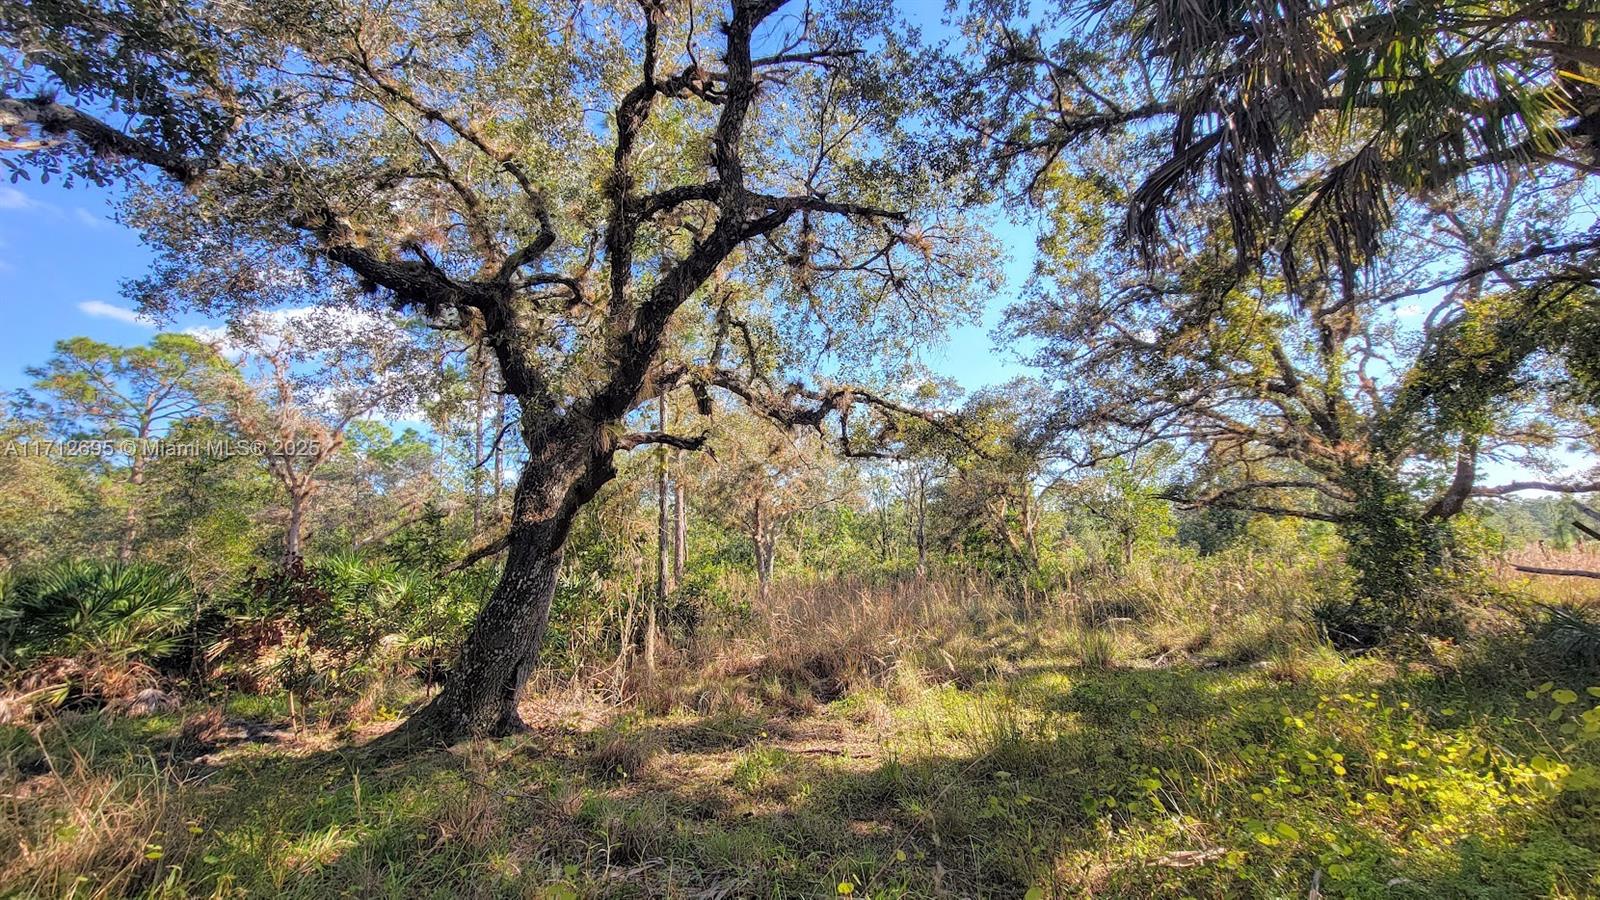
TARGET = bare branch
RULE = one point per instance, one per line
(1568, 573)
(473, 557)
(1554, 487)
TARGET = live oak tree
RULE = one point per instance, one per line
(1356, 409)
(982, 492)
(100, 90)
(1247, 176)
(448, 157)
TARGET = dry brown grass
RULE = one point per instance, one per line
(621, 750)
(472, 816)
(1584, 556)
(813, 642)
(80, 830)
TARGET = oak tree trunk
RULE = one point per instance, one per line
(566, 465)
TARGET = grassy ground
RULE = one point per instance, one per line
(1010, 758)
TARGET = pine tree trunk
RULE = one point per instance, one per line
(478, 413)
(761, 543)
(764, 554)
(130, 522)
(922, 526)
(663, 542)
(680, 530)
(499, 476)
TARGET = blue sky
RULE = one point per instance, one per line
(63, 260)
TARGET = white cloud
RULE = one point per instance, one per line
(217, 337)
(11, 198)
(207, 333)
(88, 218)
(103, 310)
(1410, 310)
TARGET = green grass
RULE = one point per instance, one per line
(1045, 778)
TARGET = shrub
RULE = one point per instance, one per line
(1569, 635)
(89, 609)
(88, 631)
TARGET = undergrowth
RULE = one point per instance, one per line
(901, 740)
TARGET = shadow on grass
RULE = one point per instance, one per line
(1075, 782)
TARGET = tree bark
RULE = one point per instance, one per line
(922, 524)
(297, 517)
(130, 520)
(478, 412)
(680, 530)
(765, 550)
(663, 542)
(567, 463)
(499, 475)
(765, 544)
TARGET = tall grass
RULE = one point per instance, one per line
(95, 823)
(815, 641)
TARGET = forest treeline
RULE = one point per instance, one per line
(1314, 264)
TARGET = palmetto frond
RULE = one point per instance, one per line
(1305, 120)
(95, 608)
(1400, 95)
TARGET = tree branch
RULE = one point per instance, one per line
(643, 438)
(1554, 487)
(1569, 573)
(99, 138)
